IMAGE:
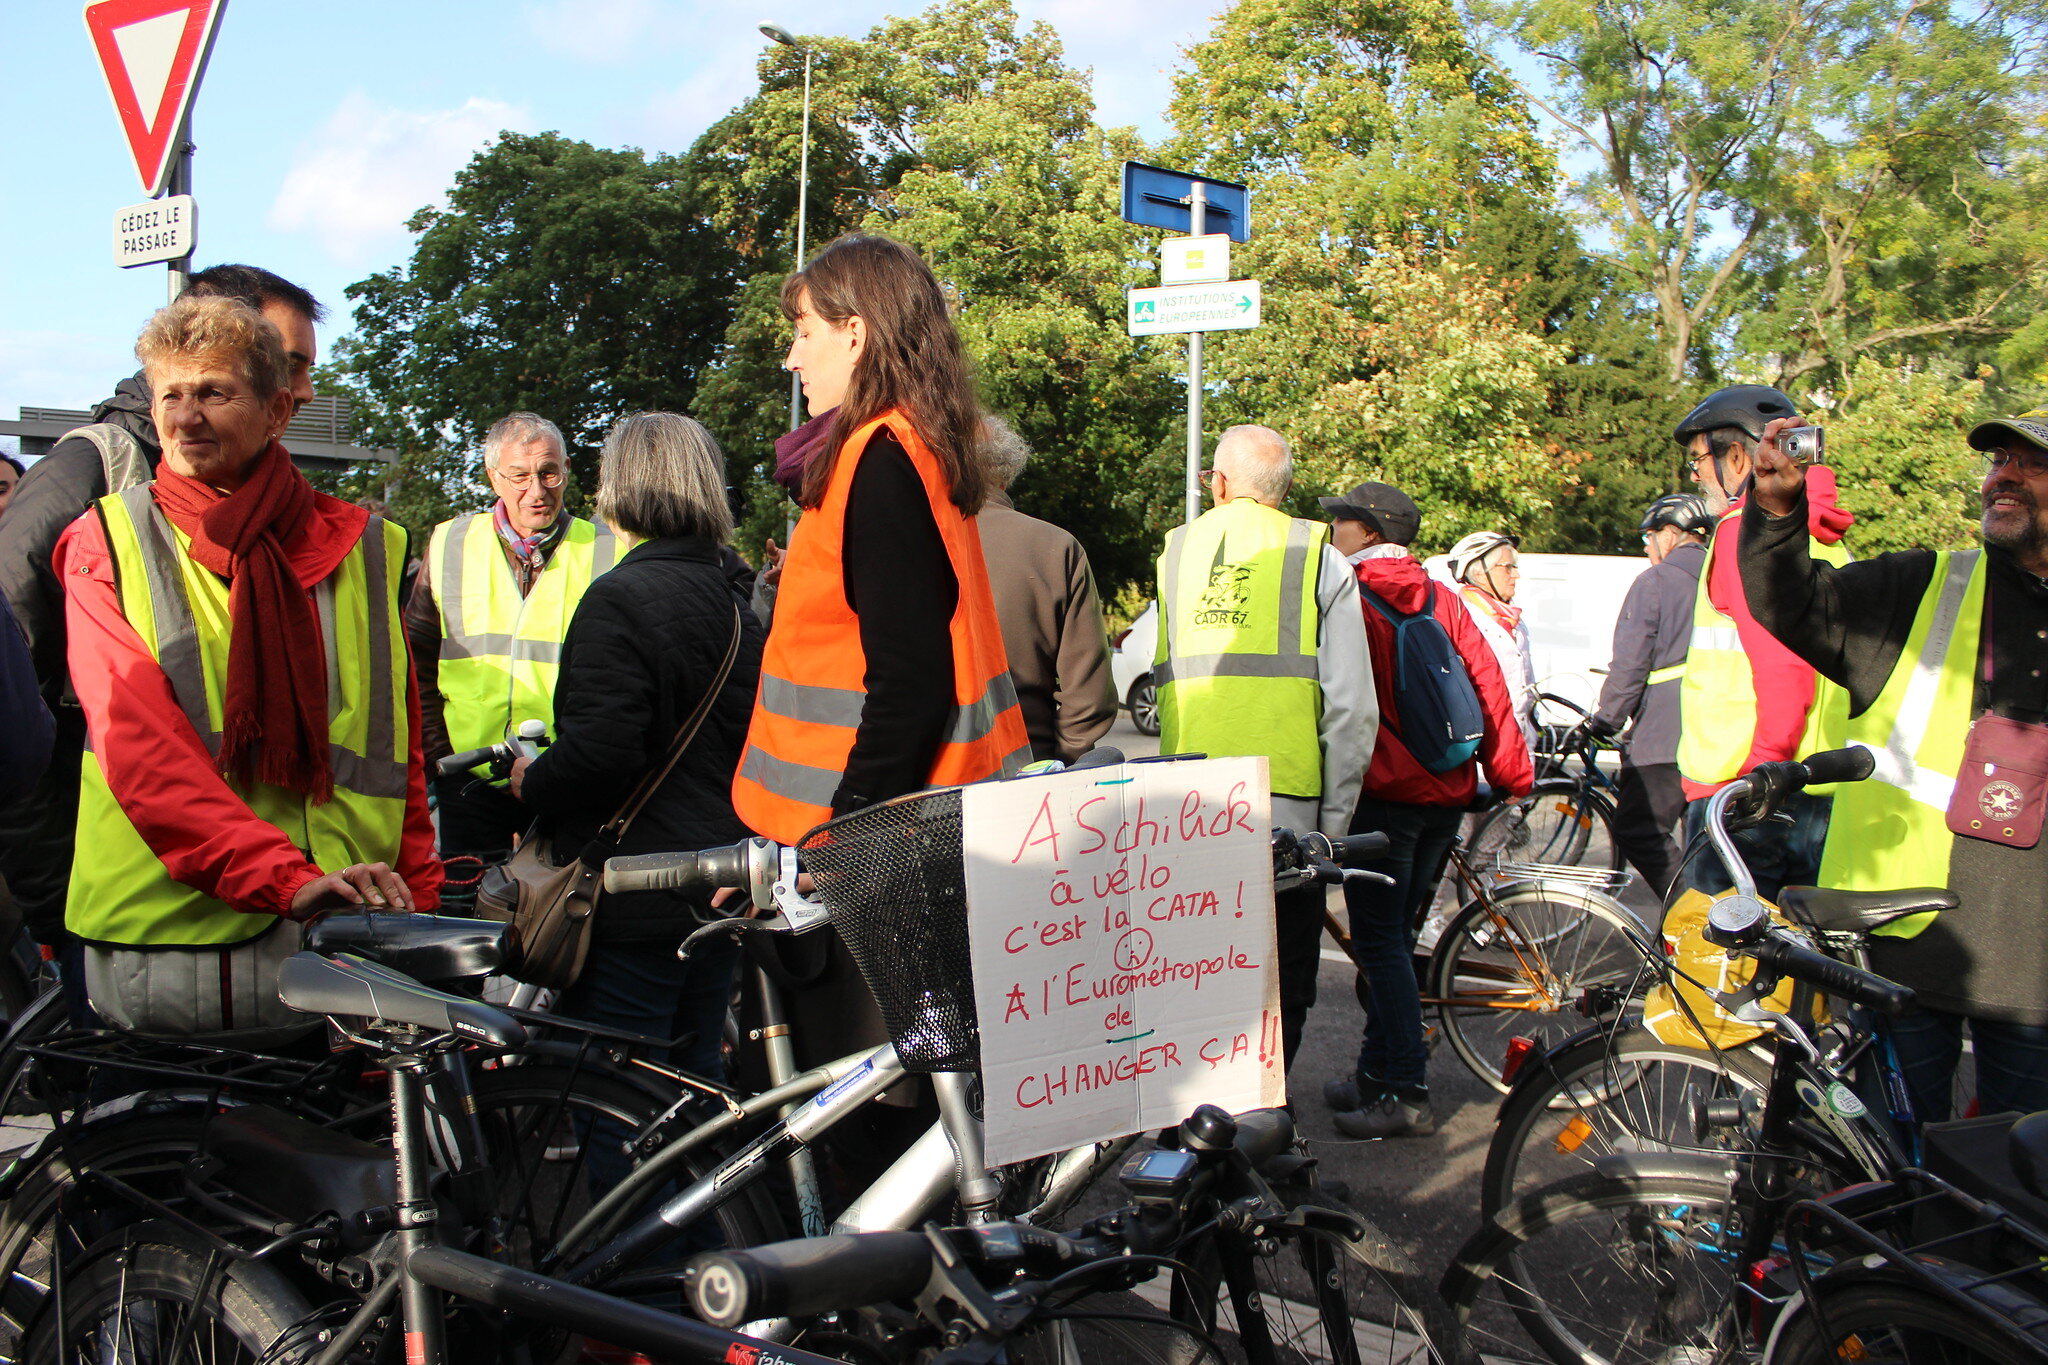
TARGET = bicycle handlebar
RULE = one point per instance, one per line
(691, 873)
(1780, 953)
(456, 764)
(807, 1276)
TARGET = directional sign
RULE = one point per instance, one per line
(1157, 197)
(155, 230)
(1194, 260)
(153, 53)
(1194, 308)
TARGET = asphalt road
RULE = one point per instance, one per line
(1423, 1192)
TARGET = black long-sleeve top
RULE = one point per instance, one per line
(1989, 956)
(900, 582)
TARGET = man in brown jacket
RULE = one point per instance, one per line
(1045, 602)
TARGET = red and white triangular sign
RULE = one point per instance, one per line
(153, 53)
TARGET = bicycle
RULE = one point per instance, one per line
(1567, 819)
(1670, 1255)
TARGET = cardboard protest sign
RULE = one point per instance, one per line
(1121, 926)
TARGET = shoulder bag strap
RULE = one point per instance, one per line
(615, 829)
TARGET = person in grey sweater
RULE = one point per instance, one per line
(1046, 605)
(1641, 693)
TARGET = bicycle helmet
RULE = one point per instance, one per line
(1747, 406)
(1686, 511)
(1474, 548)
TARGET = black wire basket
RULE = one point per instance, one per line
(892, 875)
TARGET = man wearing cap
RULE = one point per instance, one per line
(1945, 658)
(1262, 651)
(1641, 692)
(1745, 699)
(1486, 569)
(1419, 810)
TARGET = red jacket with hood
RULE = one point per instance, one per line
(1395, 775)
(1784, 682)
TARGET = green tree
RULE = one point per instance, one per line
(1903, 459)
(569, 280)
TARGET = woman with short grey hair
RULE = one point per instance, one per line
(643, 649)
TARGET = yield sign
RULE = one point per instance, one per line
(153, 53)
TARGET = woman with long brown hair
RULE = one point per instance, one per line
(884, 670)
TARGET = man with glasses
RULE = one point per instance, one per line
(1943, 654)
(487, 618)
(1746, 699)
(1641, 691)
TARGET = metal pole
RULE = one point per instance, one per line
(1198, 205)
(180, 182)
(803, 202)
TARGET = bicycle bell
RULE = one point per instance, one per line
(1736, 921)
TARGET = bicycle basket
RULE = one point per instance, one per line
(893, 878)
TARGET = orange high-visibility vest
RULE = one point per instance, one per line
(814, 675)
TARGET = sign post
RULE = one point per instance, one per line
(153, 54)
(1154, 197)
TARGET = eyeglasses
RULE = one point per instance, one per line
(2029, 461)
(549, 478)
(1207, 478)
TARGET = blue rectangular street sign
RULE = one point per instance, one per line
(1156, 197)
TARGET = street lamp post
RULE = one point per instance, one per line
(803, 196)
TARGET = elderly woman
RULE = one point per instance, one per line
(254, 735)
(644, 647)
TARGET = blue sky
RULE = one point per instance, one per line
(322, 126)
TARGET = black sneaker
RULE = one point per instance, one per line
(1389, 1116)
(1347, 1093)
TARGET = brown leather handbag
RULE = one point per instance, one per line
(552, 908)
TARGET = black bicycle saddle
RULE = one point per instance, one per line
(1860, 911)
(349, 987)
(423, 947)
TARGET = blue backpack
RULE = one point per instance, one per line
(1441, 720)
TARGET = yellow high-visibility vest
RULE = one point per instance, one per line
(500, 652)
(1891, 830)
(120, 893)
(1238, 629)
(1717, 691)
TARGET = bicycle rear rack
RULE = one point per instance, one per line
(1611, 881)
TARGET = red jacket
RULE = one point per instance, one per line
(1394, 774)
(1784, 682)
(157, 765)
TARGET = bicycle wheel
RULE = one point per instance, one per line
(1321, 1285)
(1884, 1320)
(1561, 822)
(1505, 965)
(1632, 1261)
(138, 1302)
(553, 1142)
(1607, 1091)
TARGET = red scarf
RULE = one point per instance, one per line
(275, 708)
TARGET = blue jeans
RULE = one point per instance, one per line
(1383, 929)
(1778, 855)
(2012, 1062)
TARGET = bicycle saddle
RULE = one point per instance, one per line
(1860, 911)
(349, 987)
(423, 947)
(301, 1171)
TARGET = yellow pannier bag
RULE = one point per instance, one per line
(1685, 941)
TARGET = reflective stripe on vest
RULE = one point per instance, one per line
(501, 653)
(808, 708)
(1891, 830)
(1665, 675)
(119, 893)
(1717, 690)
(1235, 666)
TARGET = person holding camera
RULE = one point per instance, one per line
(1746, 699)
(1942, 658)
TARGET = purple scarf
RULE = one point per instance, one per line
(529, 549)
(794, 449)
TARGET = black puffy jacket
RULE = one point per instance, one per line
(645, 643)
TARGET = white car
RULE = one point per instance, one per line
(1130, 668)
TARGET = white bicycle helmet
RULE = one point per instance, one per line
(1474, 548)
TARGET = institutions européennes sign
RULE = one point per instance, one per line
(1227, 307)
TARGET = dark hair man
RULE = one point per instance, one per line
(1942, 654)
(1746, 699)
(1417, 808)
(1641, 692)
(118, 450)
(11, 471)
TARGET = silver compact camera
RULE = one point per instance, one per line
(1804, 445)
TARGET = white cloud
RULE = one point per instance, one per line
(671, 119)
(1133, 49)
(370, 166)
(61, 369)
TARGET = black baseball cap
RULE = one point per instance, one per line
(1381, 506)
(2031, 427)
